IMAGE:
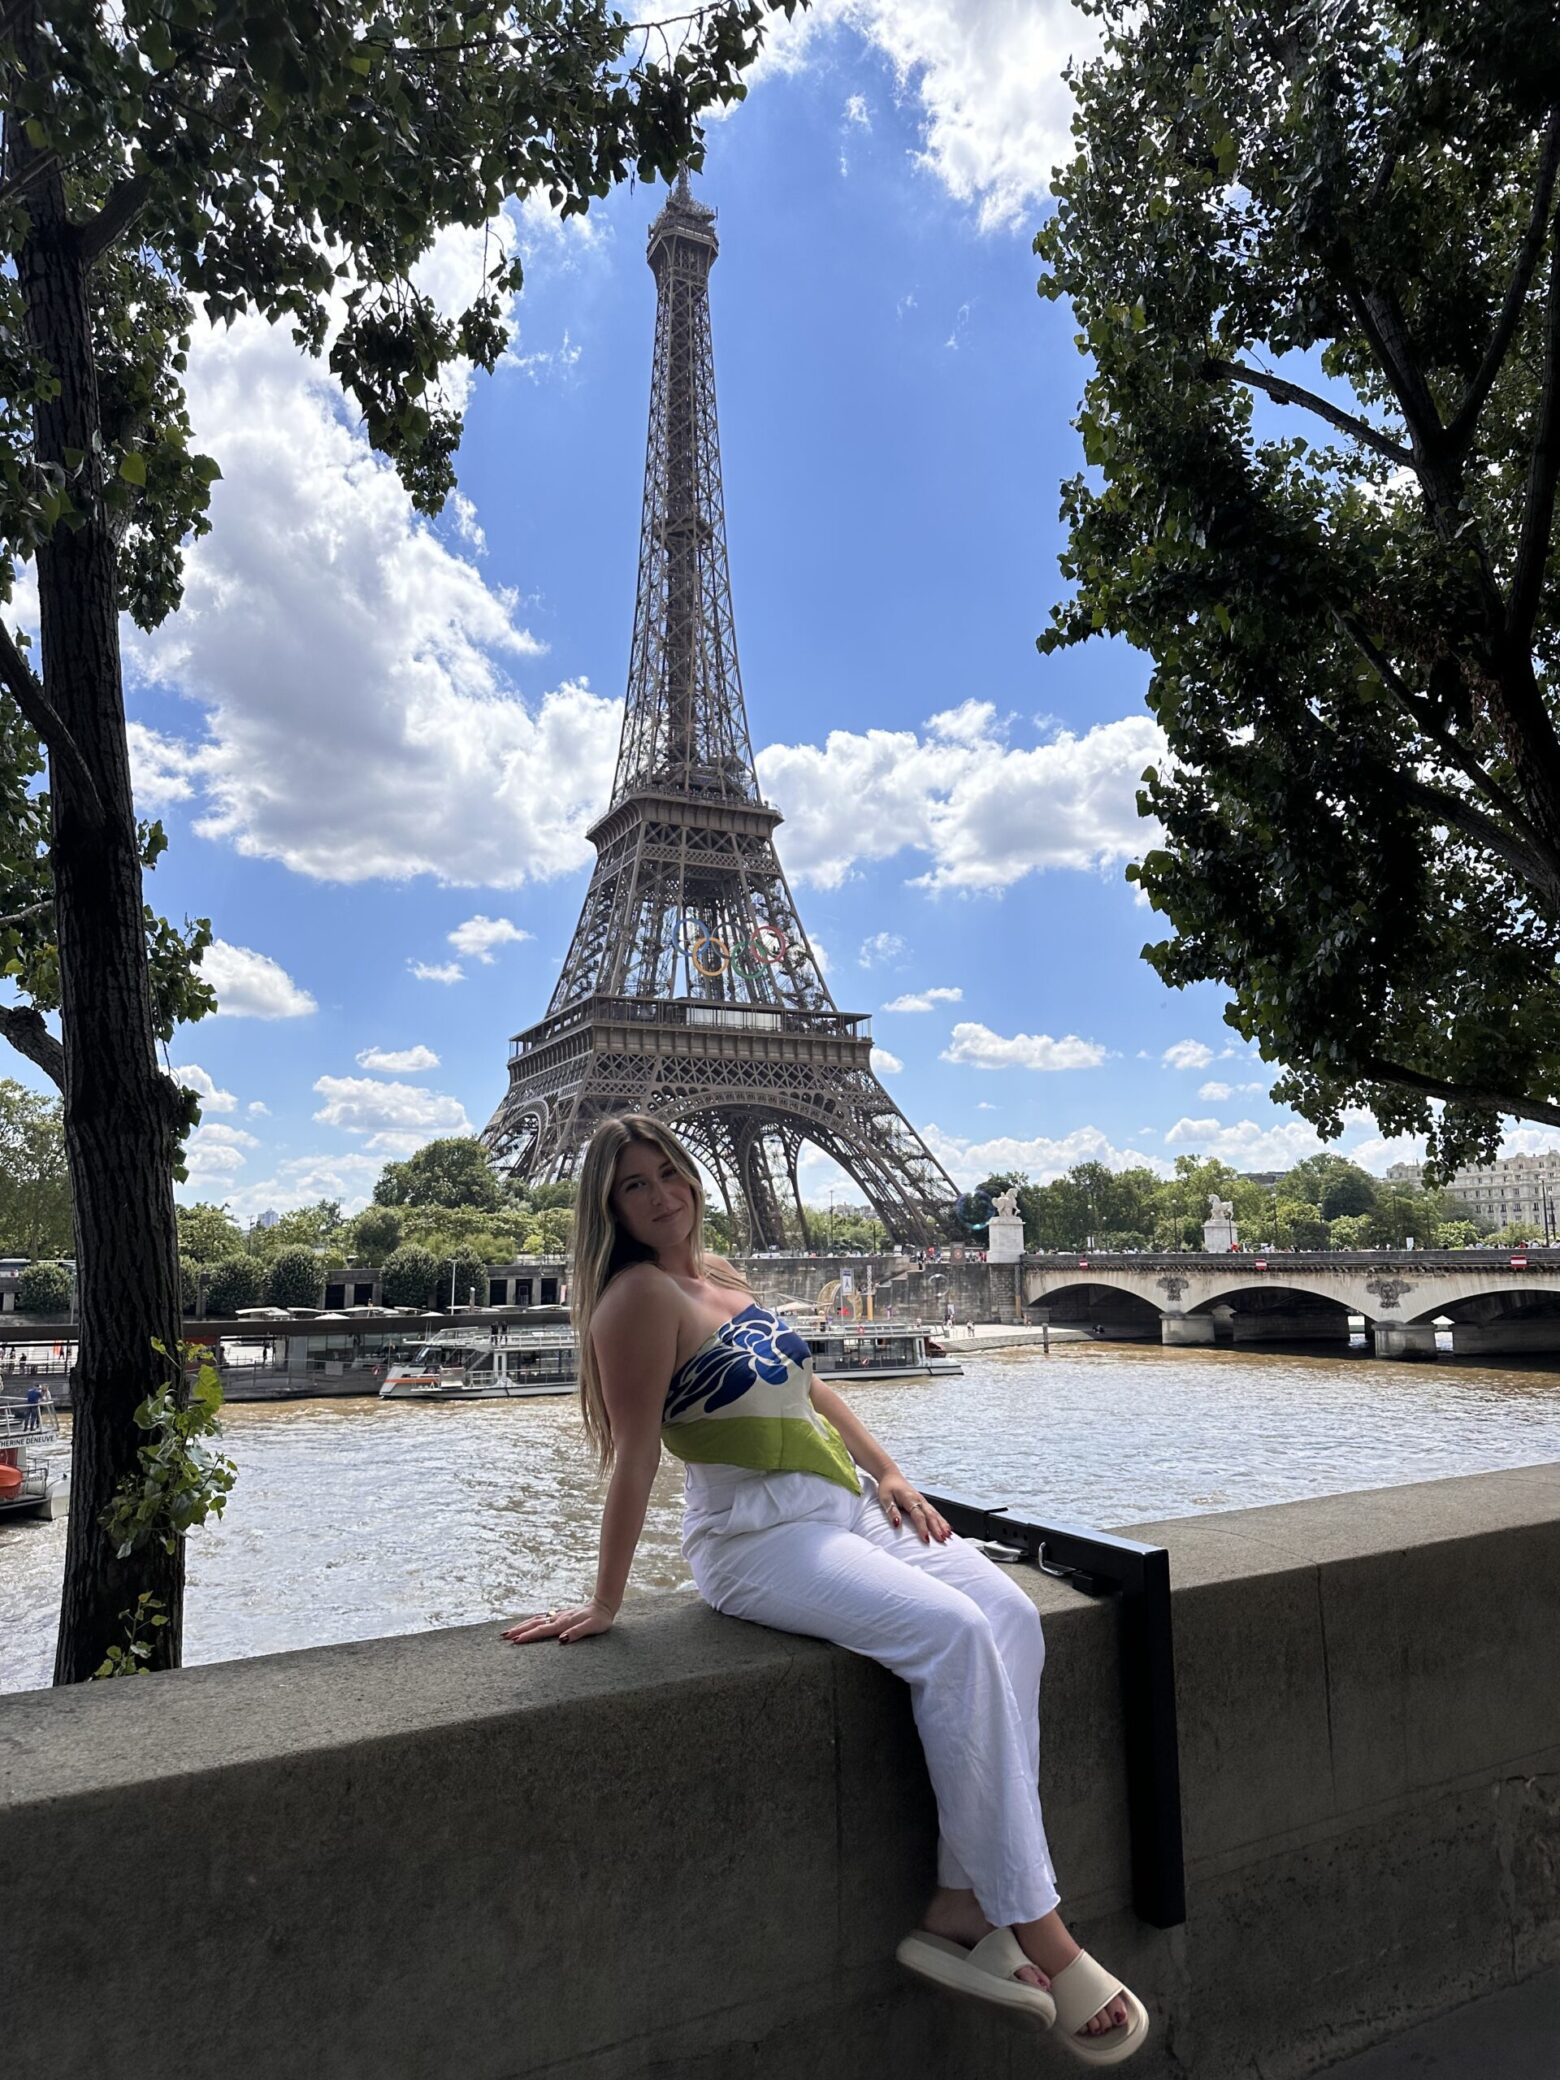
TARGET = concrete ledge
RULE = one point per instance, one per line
(688, 1848)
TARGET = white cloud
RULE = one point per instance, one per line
(882, 946)
(923, 1000)
(196, 1079)
(400, 1059)
(252, 985)
(210, 1163)
(987, 75)
(479, 935)
(217, 1134)
(1245, 1145)
(981, 1048)
(1038, 1156)
(160, 769)
(884, 1063)
(986, 815)
(1187, 1054)
(215, 1152)
(428, 971)
(1217, 1092)
(327, 629)
(397, 1117)
(302, 1180)
(857, 112)
(258, 1109)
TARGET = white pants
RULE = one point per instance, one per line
(802, 1554)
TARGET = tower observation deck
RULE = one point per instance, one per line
(690, 989)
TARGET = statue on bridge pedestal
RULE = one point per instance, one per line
(1005, 1231)
(1219, 1228)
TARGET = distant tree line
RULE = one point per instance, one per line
(1324, 1202)
(443, 1211)
(443, 1207)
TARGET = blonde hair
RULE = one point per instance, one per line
(602, 1248)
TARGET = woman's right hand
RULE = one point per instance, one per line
(564, 1625)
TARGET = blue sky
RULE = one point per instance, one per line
(376, 743)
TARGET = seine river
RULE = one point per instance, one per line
(356, 1518)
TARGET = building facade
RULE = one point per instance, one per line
(1516, 1191)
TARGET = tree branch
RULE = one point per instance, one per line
(28, 1034)
(1379, 317)
(1373, 1069)
(1460, 432)
(1459, 813)
(1423, 713)
(26, 689)
(1283, 392)
(1538, 509)
(32, 910)
(125, 203)
(19, 183)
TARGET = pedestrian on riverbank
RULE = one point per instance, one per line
(797, 1518)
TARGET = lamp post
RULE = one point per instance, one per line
(453, 1262)
(831, 1224)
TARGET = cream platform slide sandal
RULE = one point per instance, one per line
(1080, 1990)
(984, 1973)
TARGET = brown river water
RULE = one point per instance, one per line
(356, 1518)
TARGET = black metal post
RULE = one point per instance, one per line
(1099, 1563)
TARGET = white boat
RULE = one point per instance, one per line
(468, 1365)
(29, 1432)
(877, 1350)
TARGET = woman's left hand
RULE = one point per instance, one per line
(901, 1498)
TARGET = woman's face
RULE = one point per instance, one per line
(650, 1198)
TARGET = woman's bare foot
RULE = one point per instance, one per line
(1052, 1949)
(957, 1916)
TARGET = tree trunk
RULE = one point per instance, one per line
(118, 1107)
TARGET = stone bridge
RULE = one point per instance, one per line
(1495, 1300)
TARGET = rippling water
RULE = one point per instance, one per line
(355, 1518)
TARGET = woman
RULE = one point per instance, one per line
(781, 1528)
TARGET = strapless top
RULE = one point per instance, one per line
(743, 1399)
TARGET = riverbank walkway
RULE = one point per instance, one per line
(1510, 2035)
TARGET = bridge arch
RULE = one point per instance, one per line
(1087, 1303)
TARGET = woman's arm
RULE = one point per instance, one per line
(859, 1441)
(896, 1496)
(634, 1336)
(635, 1339)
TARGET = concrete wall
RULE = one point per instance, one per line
(687, 1849)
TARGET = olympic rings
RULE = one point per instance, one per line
(748, 961)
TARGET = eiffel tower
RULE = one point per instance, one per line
(690, 990)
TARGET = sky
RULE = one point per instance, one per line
(376, 742)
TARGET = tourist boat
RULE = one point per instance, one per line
(877, 1350)
(29, 1429)
(468, 1365)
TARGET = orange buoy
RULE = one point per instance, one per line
(10, 1481)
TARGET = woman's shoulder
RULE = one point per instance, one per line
(636, 1287)
(721, 1264)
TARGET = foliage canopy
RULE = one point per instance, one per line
(1312, 251)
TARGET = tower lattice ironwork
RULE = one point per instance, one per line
(690, 989)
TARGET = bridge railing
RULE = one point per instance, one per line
(1537, 1258)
